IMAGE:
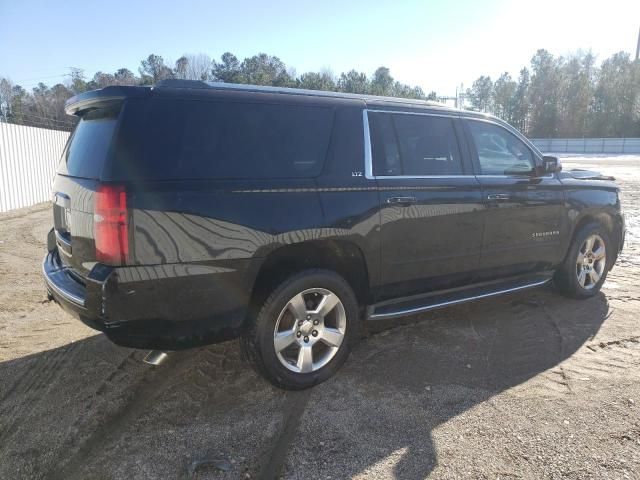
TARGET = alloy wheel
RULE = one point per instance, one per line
(309, 330)
(591, 261)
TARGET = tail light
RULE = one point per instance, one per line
(110, 224)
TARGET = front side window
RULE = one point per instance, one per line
(414, 145)
(499, 151)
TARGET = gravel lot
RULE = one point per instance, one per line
(524, 386)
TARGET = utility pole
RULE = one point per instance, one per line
(638, 47)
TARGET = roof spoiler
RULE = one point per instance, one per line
(93, 99)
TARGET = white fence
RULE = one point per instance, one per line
(588, 145)
(28, 160)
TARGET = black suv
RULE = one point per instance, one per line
(191, 212)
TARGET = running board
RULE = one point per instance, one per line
(422, 303)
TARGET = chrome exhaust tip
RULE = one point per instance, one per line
(155, 357)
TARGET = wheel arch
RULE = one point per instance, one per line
(602, 218)
(340, 256)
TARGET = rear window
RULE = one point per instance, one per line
(89, 144)
(186, 139)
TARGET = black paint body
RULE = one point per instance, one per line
(198, 246)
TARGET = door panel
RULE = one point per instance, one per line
(431, 207)
(432, 241)
(523, 212)
(523, 226)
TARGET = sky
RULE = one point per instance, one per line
(436, 45)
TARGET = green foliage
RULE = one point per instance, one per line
(45, 106)
(520, 102)
(567, 97)
(481, 94)
(382, 82)
(504, 90)
(153, 68)
(317, 81)
(228, 70)
(263, 69)
(557, 96)
(353, 82)
(617, 97)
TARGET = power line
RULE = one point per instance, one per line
(37, 79)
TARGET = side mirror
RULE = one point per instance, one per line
(551, 164)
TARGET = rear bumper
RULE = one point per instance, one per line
(167, 307)
(66, 289)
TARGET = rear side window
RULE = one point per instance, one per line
(89, 146)
(204, 139)
(414, 145)
(384, 146)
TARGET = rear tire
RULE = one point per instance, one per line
(586, 265)
(304, 331)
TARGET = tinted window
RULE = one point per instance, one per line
(428, 145)
(89, 145)
(385, 153)
(414, 145)
(201, 139)
(499, 151)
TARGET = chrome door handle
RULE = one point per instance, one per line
(498, 196)
(401, 200)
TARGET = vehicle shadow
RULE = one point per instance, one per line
(91, 409)
(378, 416)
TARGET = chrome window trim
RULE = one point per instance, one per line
(551, 175)
(426, 114)
(390, 177)
(368, 165)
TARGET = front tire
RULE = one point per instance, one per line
(303, 332)
(586, 266)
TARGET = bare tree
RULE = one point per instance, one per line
(193, 67)
(199, 67)
(6, 94)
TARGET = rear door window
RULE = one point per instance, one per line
(414, 145)
(384, 145)
(188, 139)
(88, 148)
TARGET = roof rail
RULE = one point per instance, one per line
(179, 83)
(200, 84)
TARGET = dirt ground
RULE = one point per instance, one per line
(531, 385)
